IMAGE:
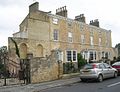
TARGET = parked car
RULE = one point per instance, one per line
(97, 71)
(116, 65)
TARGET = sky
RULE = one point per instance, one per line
(12, 13)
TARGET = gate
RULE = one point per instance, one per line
(24, 72)
(21, 76)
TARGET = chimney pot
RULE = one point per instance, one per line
(62, 11)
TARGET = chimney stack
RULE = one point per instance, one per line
(94, 23)
(80, 18)
(34, 7)
(62, 11)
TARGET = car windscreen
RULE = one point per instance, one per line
(117, 63)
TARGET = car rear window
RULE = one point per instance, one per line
(90, 66)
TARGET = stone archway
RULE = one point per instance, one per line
(23, 51)
(39, 50)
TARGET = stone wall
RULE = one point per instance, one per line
(45, 69)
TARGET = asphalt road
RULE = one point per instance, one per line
(108, 85)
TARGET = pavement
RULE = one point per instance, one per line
(67, 79)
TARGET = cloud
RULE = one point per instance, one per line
(12, 12)
(11, 15)
(5, 3)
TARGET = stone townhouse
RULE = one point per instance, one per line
(40, 32)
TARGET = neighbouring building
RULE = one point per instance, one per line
(117, 48)
(40, 32)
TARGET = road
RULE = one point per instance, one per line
(108, 85)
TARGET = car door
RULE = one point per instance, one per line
(110, 71)
(104, 71)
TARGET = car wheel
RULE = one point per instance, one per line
(115, 74)
(100, 78)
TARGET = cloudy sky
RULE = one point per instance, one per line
(12, 12)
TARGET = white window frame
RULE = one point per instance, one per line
(69, 54)
(100, 33)
(55, 21)
(60, 55)
(74, 59)
(70, 37)
(91, 40)
(81, 27)
(69, 24)
(100, 41)
(55, 35)
(107, 39)
(74, 56)
(82, 39)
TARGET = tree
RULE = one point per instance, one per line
(16, 46)
(3, 49)
(118, 48)
(1, 67)
(1, 60)
(81, 60)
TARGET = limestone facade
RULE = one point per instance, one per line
(45, 68)
(40, 32)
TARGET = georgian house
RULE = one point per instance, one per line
(40, 32)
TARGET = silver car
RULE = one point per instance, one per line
(98, 71)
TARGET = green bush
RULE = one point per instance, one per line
(81, 60)
(69, 67)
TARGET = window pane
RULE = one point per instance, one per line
(91, 40)
(91, 55)
(55, 34)
(55, 21)
(101, 66)
(69, 58)
(100, 41)
(82, 39)
(70, 37)
(74, 55)
(69, 34)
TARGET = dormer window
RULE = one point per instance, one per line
(55, 21)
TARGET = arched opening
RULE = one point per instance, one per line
(39, 51)
(23, 51)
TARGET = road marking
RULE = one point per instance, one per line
(114, 84)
